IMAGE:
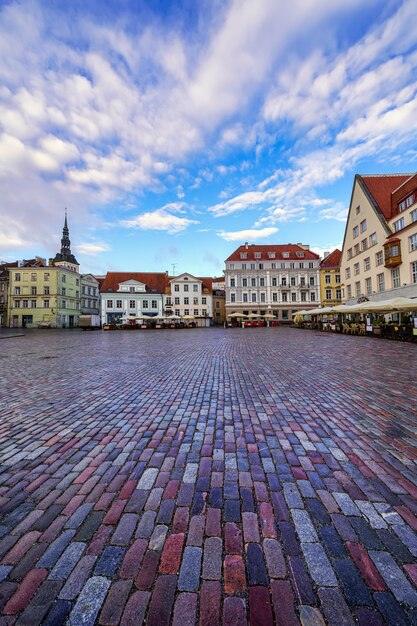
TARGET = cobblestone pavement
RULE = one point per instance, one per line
(207, 477)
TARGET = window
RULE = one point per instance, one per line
(145, 304)
(328, 279)
(311, 265)
(186, 300)
(274, 281)
(338, 294)
(363, 226)
(293, 297)
(381, 282)
(232, 297)
(399, 224)
(243, 255)
(195, 312)
(231, 266)
(312, 296)
(253, 282)
(243, 266)
(356, 269)
(358, 210)
(357, 289)
(261, 266)
(186, 311)
(109, 304)
(379, 258)
(406, 203)
(46, 291)
(285, 255)
(271, 255)
(177, 312)
(364, 244)
(328, 294)
(245, 297)
(303, 296)
(33, 304)
(347, 272)
(283, 281)
(118, 304)
(301, 266)
(356, 249)
(233, 282)
(262, 282)
(244, 282)
(312, 282)
(292, 266)
(413, 243)
(293, 281)
(64, 304)
(46, 304)
(395, 276)
(176, 287)
(337, 279)
(17, 276)
(195, 301)
(285, 297)
(252, 266)
(368, 285)
(263, 297)
(46, 276)
(17, 291)
(77, 282)
(258, 255)
(177, 300)
(356, 232)
(349, 291)
(372, 239)
(284, 314)
(64, 278)
(16, 304)
(413, 216)
(169, 301)
(154, 304)
(349, 253)
(64, 291)
(282, 266)
(414, 272)
(254, 297)
(204, 312)
(367, 264)
(203, 300)
(33, 277)
(195, 288)
(131, 304)
(302, 281)
(186, 287)
(274, 297)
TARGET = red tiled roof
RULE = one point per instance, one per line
(291, 248)
(381, 189)
(152, 280)
(333, 259)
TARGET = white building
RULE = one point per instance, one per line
(128, 295)
(190, 295)
(90, 295)
(272, 279)
(379, 256)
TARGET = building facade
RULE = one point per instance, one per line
(330, 281)
(379, 256)
(219, 301)
(272, 279)
(189, 295)
(4, 291)
(132, 295)
(90, 295)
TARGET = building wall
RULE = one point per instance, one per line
(363, 271)
(330, 281)
(90, 295)
(43, 296)
(188, 297)
(126, 304)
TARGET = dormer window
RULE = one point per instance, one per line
(300, 254)
(408, 201)
(243, 255)
(271, 255)
(258, 255)
(285, 255)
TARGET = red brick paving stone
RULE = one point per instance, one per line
(25, 591)
(407, 515)
(283, 602)
(412, 572)
(210, 601)
(7, 589)
(162, 601)
(250, 528)
(233, 538)
(99, 540)
(185, 609)
(114, 604)
(260, 610)
(196, 531)
(84, 475)
(311, 616)
(104, 502)
(266, 515)
(40, 603)
(113, 515)
(127, 489)
(148, 569)
(8, 621)
(366, 566)
(213, 518)
(133, 558)
(180, 521)
(21, 547)
(234, 575)
(171, 554)
(134, 613)
(234, 612)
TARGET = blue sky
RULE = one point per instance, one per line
(175, 131)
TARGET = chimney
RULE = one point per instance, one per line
(246, 245)
(326, 254)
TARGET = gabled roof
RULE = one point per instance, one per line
(332, 260)
(380, 188)
(155, 282)
(290, 248)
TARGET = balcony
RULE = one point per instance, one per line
(392, 253)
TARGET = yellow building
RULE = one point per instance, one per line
(43, 295)
(330, 283)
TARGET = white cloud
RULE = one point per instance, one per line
(161, 219)
(247, 235)
(93, 248)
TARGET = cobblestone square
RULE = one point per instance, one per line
(262, 476)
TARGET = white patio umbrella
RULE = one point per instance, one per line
(268, 316)
(188, 317)
(235, 315)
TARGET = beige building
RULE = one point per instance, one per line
(330, 281)
(379, 256)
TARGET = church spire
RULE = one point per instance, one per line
(65, 241)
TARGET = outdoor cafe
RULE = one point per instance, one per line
(392, 319)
